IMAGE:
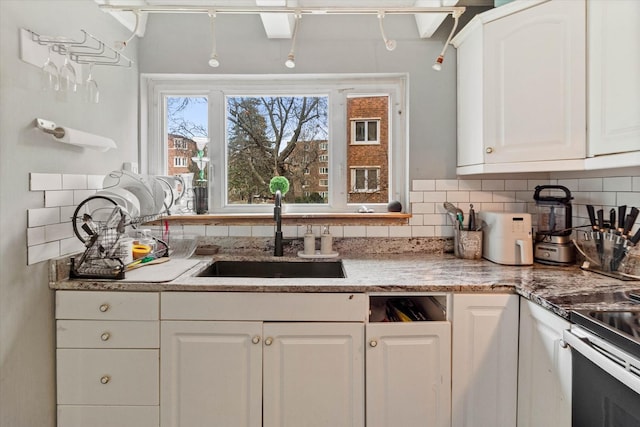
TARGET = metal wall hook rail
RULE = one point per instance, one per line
(89, 50)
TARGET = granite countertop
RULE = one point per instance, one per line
(556, 288)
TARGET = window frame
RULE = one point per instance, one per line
(366, 170)
(366, 121)
(155, 87)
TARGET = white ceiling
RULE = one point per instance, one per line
(280, 25)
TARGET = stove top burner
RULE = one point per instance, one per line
(620, 327)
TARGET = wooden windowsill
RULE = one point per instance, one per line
(387, 218)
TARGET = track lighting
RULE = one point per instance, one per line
(440, 59)
(213, 58)
(389, 44)
(290, 62)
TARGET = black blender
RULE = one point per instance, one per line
(553, 232)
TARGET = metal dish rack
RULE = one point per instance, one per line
(100, 223)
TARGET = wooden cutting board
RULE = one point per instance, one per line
(162, 272)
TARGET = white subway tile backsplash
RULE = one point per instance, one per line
(600, 198)
(217, 230)
(239, 230)
(447, 185)
(70, 246)
(262, 231)
(457, 196)
(491, 207)
(516, 207)
(416, 196)
(377, 231)
(45, 181)
(424, 185)
(80, 195)
(66, 212)
(354, 231)
(53, 198)
(42, 252)
(197, 230)
(616, 183)
(635, 184)
(35, 236)
(470, 184)
(533, 183)
(399, 231)
(571, 184)
(438, 197)
(480, 196)
(492, 184)
(74, 182)
(416, 219)
(423, 231)
(422, 208)
(590, 184)
(94, 182)
(628, 198)
(53, 232)
(42, 216)
(516, 184)
(435, 219)
(504, 196)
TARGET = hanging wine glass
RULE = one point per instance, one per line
(68, 81)
(50, 76)
(92, 92)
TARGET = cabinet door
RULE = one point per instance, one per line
(534, 93)
(211, 374)
(313, 375)
(408, 374)
(484, 360)
(544, 372)
(614, 76)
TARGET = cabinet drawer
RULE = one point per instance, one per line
(107, 377)
(258, 306)
(108, 416)
(107, 305)
(108, 334)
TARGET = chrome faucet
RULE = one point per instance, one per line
(277, 216)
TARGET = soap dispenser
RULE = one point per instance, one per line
(309, 241)
(326, 241)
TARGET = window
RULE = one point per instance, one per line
(365, 131)
(335, 123)
(365, 180)
(180, 162)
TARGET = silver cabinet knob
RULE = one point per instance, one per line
(373, 343)
(105, 379)
(255, 339)
(268, 341)
(105, 336)
(104, 307)
(563, 344)
(489, 150)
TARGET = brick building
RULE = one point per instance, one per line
(180, 150)
(368, 149)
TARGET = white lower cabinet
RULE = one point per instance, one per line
(544, 373)
(107, 359)
(484, 360)
(408, 374)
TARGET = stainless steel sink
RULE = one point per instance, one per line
(269, 269)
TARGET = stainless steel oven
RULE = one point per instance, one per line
(605, 349)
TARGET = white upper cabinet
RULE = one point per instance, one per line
(525, 103)
(521, 89)
(614, 77)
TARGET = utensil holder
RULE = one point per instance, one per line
(467, 244)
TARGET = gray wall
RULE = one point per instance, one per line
(27, 328)
(181, 43)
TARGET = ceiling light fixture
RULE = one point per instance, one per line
(213, 59)
(440, 59)
(290, 62)
(389, 44)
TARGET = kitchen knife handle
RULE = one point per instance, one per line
(630, 220)
(601, 219)
(622, 214)
(592, 217)
(612, 219)
(636, 237)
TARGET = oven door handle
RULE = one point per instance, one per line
(583, 346)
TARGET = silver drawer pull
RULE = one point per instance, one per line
(268, 341)
(105, 336)
(255, 339)
(373, 343)
(104, 307)
(105, 379)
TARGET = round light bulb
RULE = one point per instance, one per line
(290, 63)
(437, 66)
(213, 61)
